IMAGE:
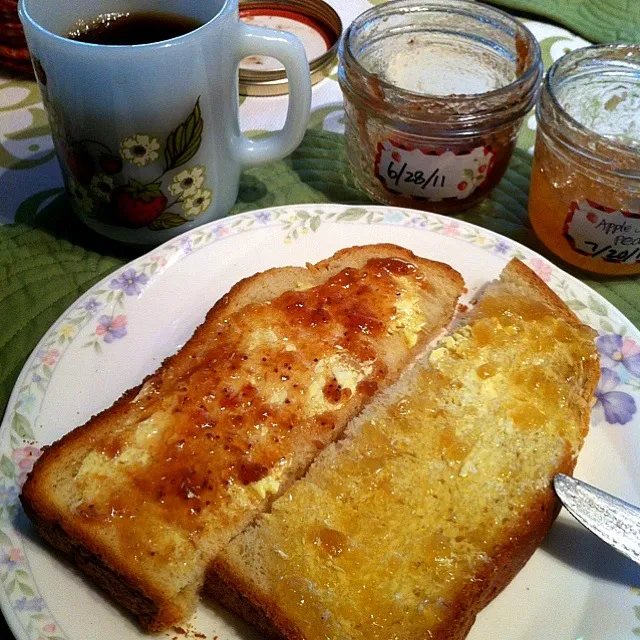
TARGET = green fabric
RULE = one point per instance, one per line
(46, 262)
(595, 20)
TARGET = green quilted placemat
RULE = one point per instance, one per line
(47, 261)
(595, 20)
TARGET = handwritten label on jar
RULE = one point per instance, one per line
(603, 233)
(431, 174)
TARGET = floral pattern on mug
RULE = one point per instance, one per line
(196, 204)
(81, 197)
(140, 149)
(102, 186)
(99, 189)
(187, 183)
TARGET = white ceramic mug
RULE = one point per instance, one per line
(148, 135)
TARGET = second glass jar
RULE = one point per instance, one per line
(584, 201)
(435, 93)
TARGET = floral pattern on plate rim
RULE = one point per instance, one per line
(104, 308)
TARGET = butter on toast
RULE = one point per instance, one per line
(437, 495)
(145, 494)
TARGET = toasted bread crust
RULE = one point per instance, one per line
(516, 272)
(92, 565)
(239, 596)
(156, 607)
(237, 591)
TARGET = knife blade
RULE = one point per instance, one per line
(613, 520)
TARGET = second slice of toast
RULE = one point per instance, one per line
(437, 496)
(145, 494)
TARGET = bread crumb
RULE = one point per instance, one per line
(463, 308)
(189, 632)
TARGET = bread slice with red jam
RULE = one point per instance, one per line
(149, 491)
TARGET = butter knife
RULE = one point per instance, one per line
(611, 519)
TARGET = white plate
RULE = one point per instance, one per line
(574, 587)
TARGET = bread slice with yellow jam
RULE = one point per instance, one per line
(437, 495)
(147, 493)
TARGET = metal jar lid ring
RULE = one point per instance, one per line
(316, 24)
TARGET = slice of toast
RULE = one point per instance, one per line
(145, 494)
(437, 495)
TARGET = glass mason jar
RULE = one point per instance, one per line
(584, 202)
(435, 92)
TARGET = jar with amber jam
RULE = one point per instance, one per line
(435, 92)
(584, 202)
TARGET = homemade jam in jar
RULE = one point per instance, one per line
(435, 92)
(584, 202)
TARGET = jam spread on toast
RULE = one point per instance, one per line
(219, 424)
(383, 534)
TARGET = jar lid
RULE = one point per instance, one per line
(315, 23)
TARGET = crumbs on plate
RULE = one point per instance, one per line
(189, 632)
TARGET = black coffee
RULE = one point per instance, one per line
(133, 28)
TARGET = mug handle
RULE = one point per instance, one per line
(286, 48)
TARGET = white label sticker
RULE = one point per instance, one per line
(431, 174)
(603, 233)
